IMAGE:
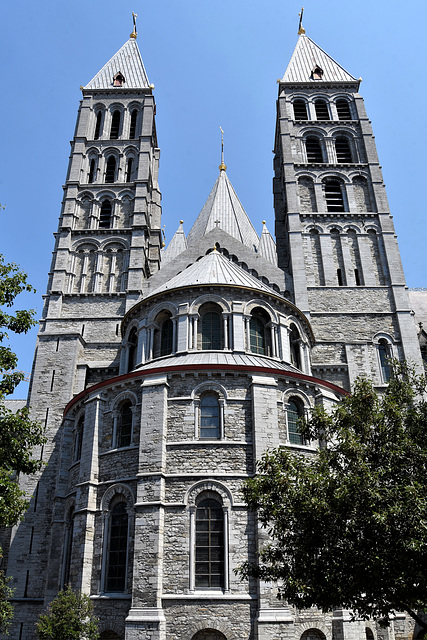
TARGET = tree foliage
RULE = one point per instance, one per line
(69, 617)
(6, 608)
(348, 524)
(18, 434)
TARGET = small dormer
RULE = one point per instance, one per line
(317, 73)
(118, 79)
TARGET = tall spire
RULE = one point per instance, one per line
(222, 166)
(129, 63)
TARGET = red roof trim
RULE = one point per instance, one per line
(203, 367)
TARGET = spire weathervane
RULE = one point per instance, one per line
(301, 29)
(134, 33)
(222, 166)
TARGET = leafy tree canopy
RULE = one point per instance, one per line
(18, 434)
(349, 524)
(69, 617)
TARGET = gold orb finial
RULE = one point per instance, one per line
(181, 222)
(263, 222)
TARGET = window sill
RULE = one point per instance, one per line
(130, 447)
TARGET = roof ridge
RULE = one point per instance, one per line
(301, 64)
(128, 61)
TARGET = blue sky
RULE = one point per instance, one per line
(213, 63)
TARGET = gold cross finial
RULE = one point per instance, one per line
(134, 33)
(301, 29)
(222, 166)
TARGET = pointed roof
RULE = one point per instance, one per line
(214, 268)
(128, 61)
(223, 209)
(306, 56)
(177, 245)
(267, 246)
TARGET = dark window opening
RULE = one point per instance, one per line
(294, 343)
(322, 112)
(166, 337)
(117, 549)
(314, 150)
(110, 173)
(317, 73)
(132, 344)
(300, 110)
(334, 196)
(129, 170)
(118, 80)
(105, 215)
(115, 125)
(124, 425)
(339, 278)
(384, 353)
(294, 414)
(211, 330)
(259, 334)
(343, 110)
(133, 121)
(209, 570)
(98, 125)
(91, 171)
(343, 151)
(78, 439)
(357, 277)
(209, 417)
(68, 547)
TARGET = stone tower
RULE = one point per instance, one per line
(334, 232)
(162, 382)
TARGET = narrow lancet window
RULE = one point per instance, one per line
(115, 125)
(133, 121)
(110, 173)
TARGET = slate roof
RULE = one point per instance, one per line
(128, 61)
(177, 245)
(224, 209)
(306, 56)
(267, 246)
(214, 268)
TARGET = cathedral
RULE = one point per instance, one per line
(162, 374)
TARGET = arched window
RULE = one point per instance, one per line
(259, 335)
(129, 167)
(98, 125)
(78, 439)
(116, 556)
(133, 121)
(209, 569)
(166, 337)
(115, 125)
(110, 172)
(91, 175)
(209, 416)
(334, 197)
(322, 112)
(124, 425)
(300, 110)
(313, 150)
(211, 330)
(294, 345)
(294, 413)
(105, 215)
(343, 151)
(132, 345)
(384, 353)
(343, 110)
(68, 547)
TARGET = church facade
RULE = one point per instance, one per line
(163, 375)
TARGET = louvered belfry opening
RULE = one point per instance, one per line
(314, 150)
(343, 151)
(105, 215)
(334, 197)
(115, 125)
(322, 112)
(300, 110)
(110, 172)
(343, 110)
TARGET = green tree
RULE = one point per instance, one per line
(18, 434)
(348, 524)
(69, 617)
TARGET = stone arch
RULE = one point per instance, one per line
(212, 486)
(215, 625)
(259, 302)
(313, 633)
(209, 386)
(215, 298)
(124, 395)
(117, 490)
(296, 392)
(161, 306)
(209, 633)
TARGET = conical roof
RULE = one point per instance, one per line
(214, 268)
(128, 61)
(177, 245)
(306, 56)
(267, 246)
(223, 209)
